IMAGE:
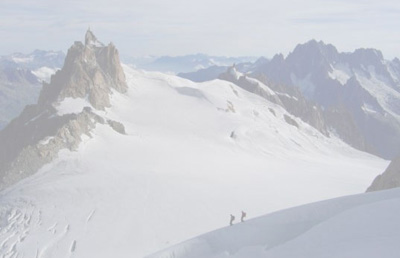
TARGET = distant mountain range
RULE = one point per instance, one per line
(183, 64)
(21, 77)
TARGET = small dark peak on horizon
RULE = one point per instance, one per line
(262, 60)
(278, 58)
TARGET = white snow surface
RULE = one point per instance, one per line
(364, 225)
(193, 154)
(44, 73)
(341, 73)
(71, 106)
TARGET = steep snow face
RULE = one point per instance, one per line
(357, 226)
(192, 155)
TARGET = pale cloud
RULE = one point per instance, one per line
(219, 27)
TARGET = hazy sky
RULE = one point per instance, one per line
(217, 27)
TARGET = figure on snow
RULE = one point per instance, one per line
(243, 216)
(232, 219)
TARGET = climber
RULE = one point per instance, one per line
(243, 216)
(232, 219)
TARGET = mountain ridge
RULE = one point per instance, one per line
(358, 93)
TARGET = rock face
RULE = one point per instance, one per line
(358, 92)
(389, 179)
(91, 72)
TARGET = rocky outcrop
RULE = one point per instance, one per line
(389, 179)
(290, 121)
(92, 72)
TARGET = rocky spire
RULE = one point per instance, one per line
(90, 71)
(91, 40)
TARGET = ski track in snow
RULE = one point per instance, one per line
(14, 230)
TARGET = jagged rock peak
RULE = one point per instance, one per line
(91, 40)
(278, 58)
(90, 71)
(314, 49)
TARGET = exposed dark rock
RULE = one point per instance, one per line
(290, 120)
(389, 179)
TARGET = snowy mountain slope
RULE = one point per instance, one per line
(192, 154)
(363, 225)
(288, 98)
